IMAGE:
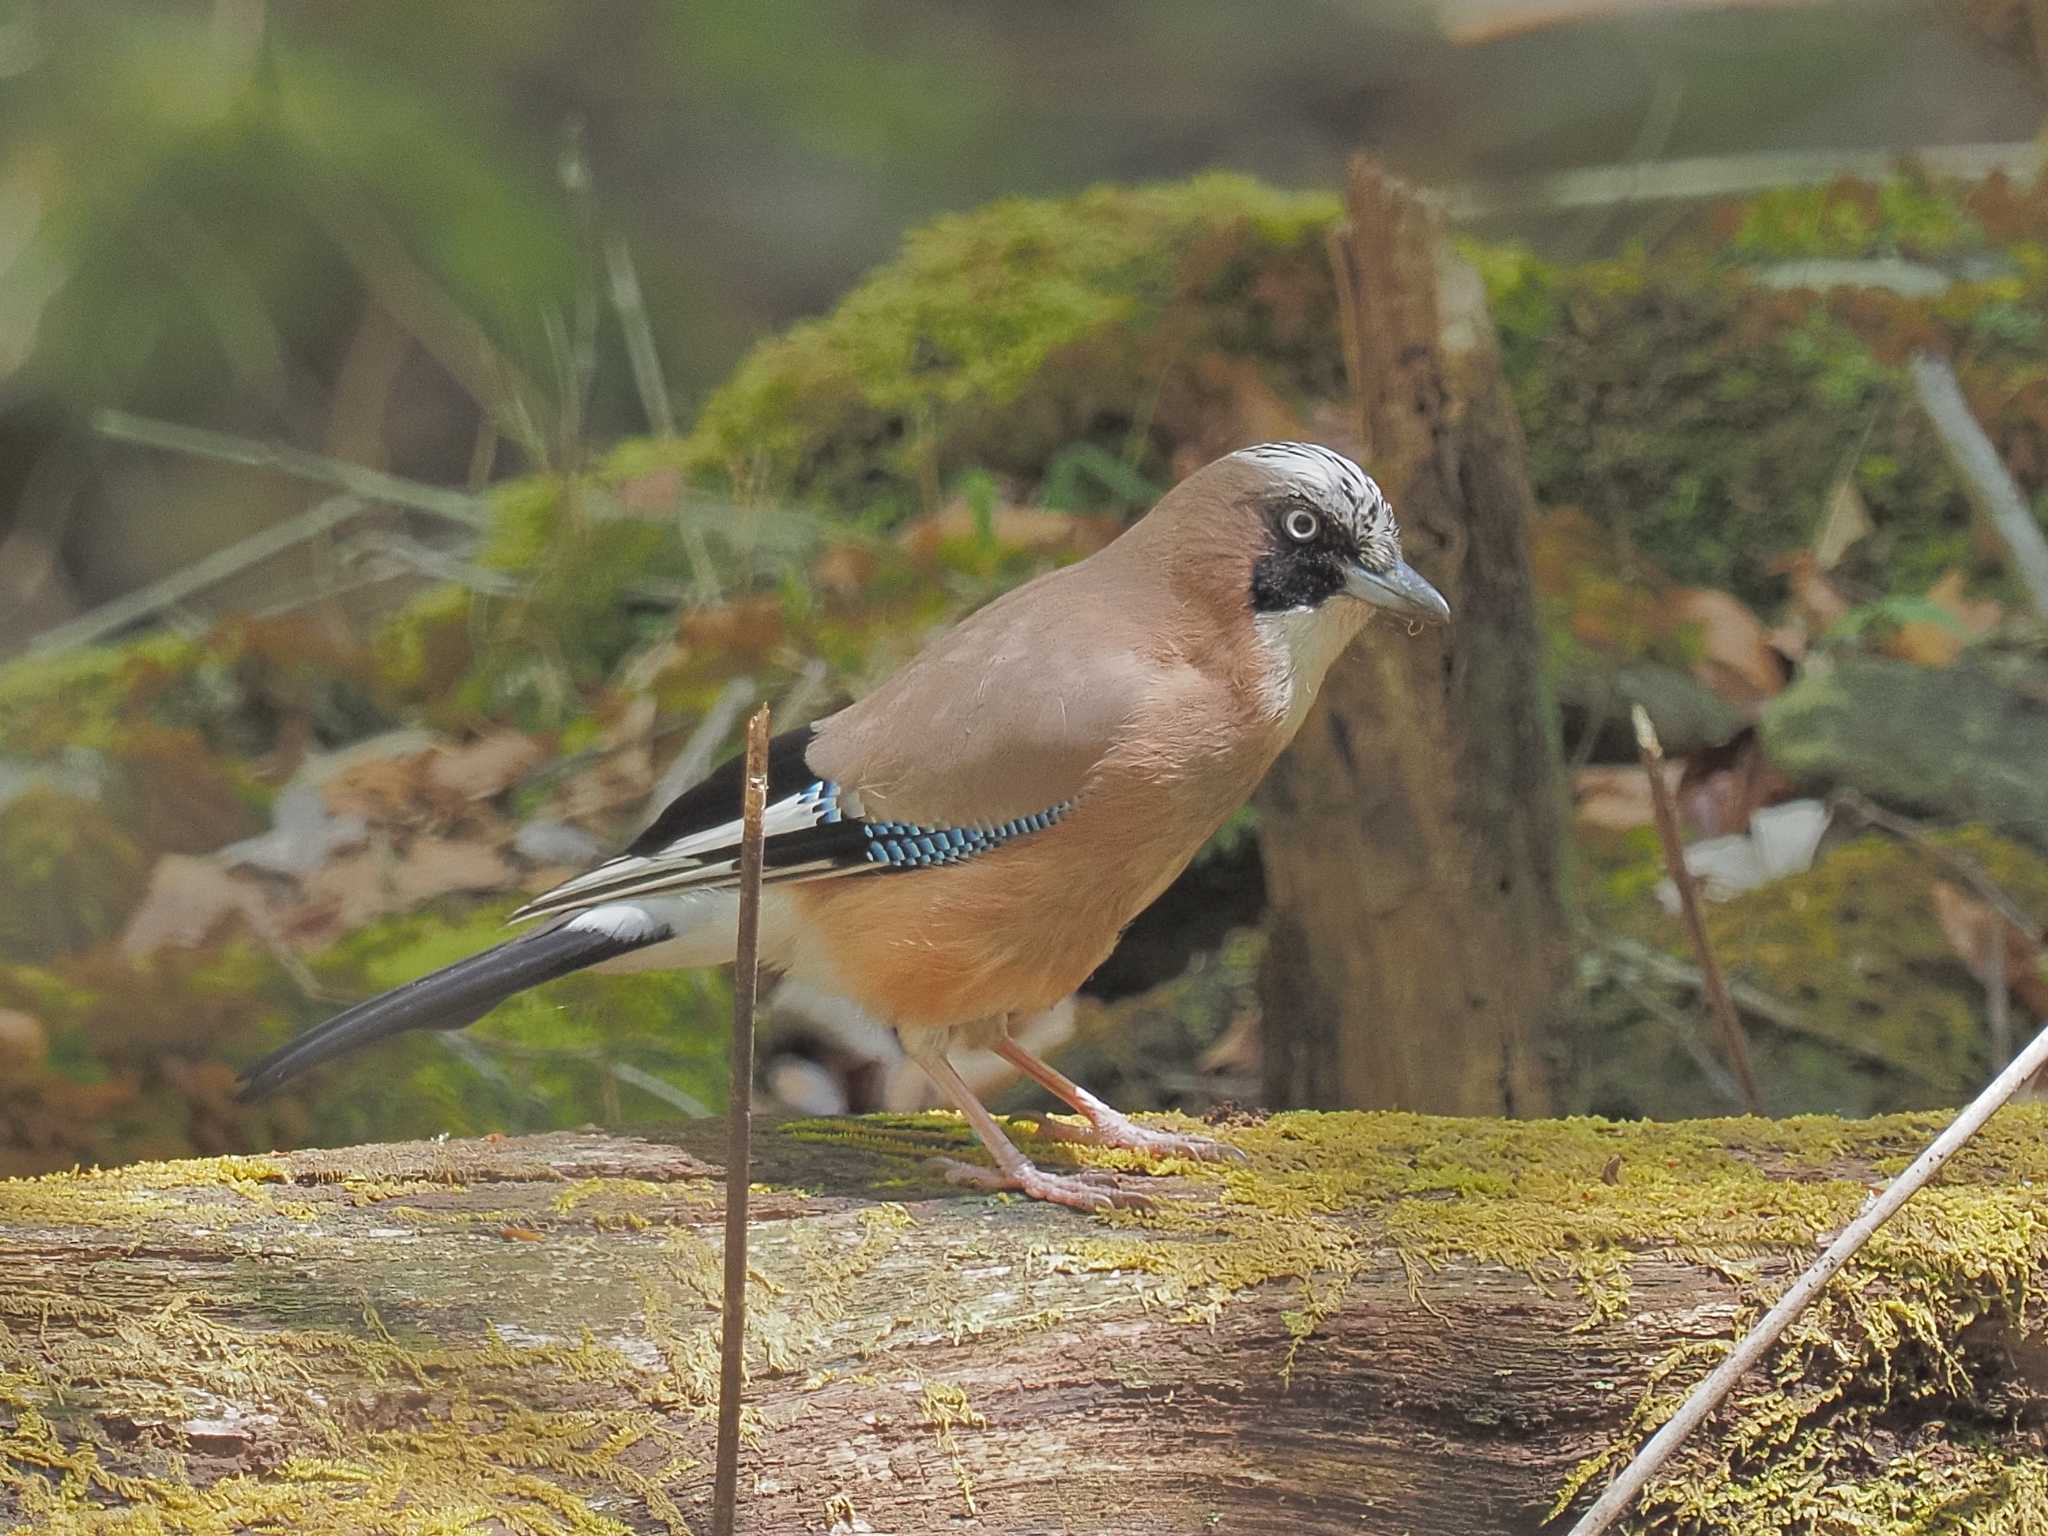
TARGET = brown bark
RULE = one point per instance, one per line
(1412, 836)
(443, 1327)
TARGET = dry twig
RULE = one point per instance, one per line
(739, 1112)
(369, 484)
(1723, 1006)
(1987, 483)
(161, 597)
(1709, 1393)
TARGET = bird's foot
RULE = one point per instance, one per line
(1091, 1191)
(1109, 1128)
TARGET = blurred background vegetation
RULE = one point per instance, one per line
(423, 429)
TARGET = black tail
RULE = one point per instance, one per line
(450, 998)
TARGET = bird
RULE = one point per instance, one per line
(958, 850)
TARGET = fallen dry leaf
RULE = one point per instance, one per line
(655, 492)
(1735, 657)
(1844, 524)
(393, 792)
(1616, 797)
(1973, 928)
(188, 902)
(1932, 643)
(1925, 643)
(486, 767)
(23, 1045)
(1815, 599)
(1978, 616)
(1722, 788)
(385, 878)
(753, 626)
(1240, 1050)
(844, 570)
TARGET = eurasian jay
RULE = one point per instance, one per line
(963, 846)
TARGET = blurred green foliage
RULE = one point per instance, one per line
(1905, 216)
(536, 1059)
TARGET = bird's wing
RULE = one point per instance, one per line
(987, 736)
(1009, 712)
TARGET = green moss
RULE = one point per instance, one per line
(573, 1435)
(1703, 421)
(1003, 336)
(1887, 1017)
(69, 874)
(75, 698)
(1905, 215)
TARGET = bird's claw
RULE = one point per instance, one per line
(1092, 1190)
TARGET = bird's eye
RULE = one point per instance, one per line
(1301, 525)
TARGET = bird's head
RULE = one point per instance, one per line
(1324, 534)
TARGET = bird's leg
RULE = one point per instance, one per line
(1013, 1170)
(1108, 1127)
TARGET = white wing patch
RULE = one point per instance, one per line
(704, 858)
(816, 806)
(628, 924)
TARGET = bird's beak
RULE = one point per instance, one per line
(1402, 591)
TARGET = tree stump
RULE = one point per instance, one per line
(1386, 1323)
(1412, 836)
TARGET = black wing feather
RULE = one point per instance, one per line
(451, 998)
(717, 798)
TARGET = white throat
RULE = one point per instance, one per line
(1297, 648)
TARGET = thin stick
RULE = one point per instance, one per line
(370, 484)
(1987, 483)
(1598, 186)
(740, 1113)
(1732, 1040)
(1708, 1394)
(1961, 865)
(641, 351)
(154, 600)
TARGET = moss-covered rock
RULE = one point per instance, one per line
(1965, 742)
(1003, 337)
(1880, 1014)
(1703, 420)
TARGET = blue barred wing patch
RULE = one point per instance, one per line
(812, 829)
(906, 845)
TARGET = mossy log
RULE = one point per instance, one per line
(1384, 1323)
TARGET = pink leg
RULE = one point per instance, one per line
(1108, 1127)
(1013, 1170)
